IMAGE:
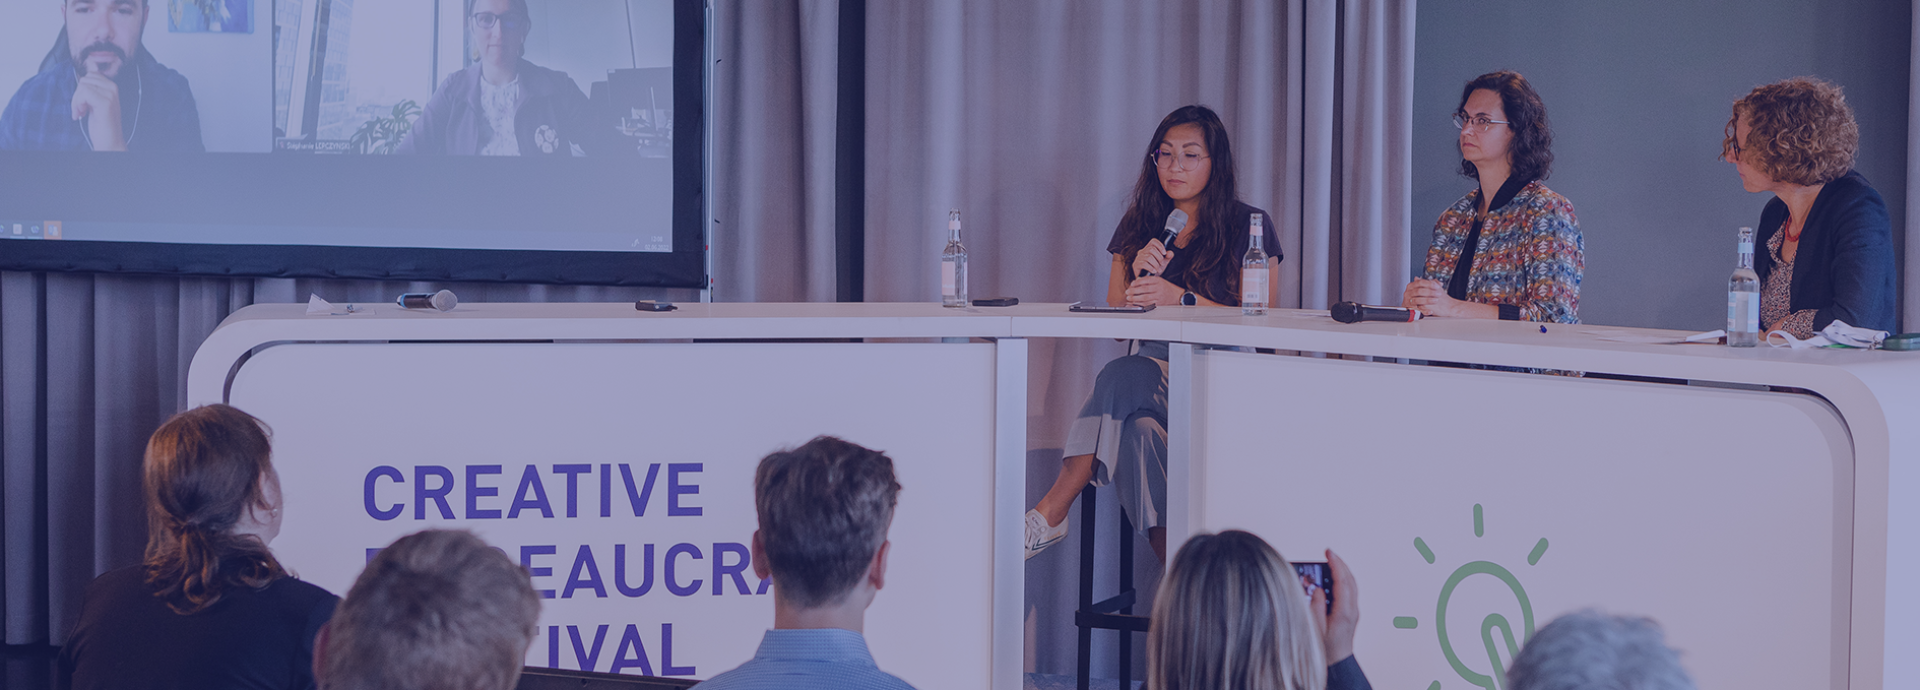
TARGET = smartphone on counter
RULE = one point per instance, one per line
(1104, 309)
(654, 305)
(1319, 574)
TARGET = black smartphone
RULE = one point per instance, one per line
(996, 301)
(654, 305)
(1320, 575)
(1104, 309)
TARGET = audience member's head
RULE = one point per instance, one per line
(824, 510)
(1231, 613)
(437, 610)
(213, 504)
(1587, 649)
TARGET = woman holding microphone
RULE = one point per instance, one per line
(1120, 435)
(1510, 249)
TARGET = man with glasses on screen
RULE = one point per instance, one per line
(503, 105)
(99, 89)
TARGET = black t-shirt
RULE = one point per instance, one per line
(129, 639)
(1220, 286)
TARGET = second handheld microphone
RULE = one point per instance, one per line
(1354, 312)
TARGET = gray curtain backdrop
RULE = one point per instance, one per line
(1031, 118)
(773, 150)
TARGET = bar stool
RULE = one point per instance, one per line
(1112, 613)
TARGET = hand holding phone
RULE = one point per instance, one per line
(1343, 618)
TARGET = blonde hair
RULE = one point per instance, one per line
(1231, 615)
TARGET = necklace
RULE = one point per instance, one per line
(1793, 233)
(139, 104)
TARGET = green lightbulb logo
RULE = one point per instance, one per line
(1497, 679)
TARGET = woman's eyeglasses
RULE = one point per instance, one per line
(1480, 123)
(487, 20)
(1176, 161)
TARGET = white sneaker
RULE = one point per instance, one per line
(1040, 535)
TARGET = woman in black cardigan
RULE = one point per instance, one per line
(1826, 240)
(211, 607)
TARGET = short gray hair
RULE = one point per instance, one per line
(437, 610)
(1589, 649)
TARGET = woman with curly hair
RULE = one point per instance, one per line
(1827, 237)
(211, 607)
(1510, 249)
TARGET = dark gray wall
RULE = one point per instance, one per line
(1638, 92)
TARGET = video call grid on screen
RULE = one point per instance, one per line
(355, 124)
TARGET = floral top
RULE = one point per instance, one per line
(499, 104)
(1777, 294)
(1528, 260)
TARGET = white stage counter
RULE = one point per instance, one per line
(619, 468)
(1759, 514)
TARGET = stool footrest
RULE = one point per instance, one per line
(1111, 621)
(1113, 603)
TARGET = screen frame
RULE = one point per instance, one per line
(685, 267)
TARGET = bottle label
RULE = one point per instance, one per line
(1253, 286)
(1743, 312)
(1746, 247)
(947, 283)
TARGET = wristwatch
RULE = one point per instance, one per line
(1189, 299)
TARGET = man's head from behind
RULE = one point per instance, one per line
(102, 35)
(1588, 649)
(824, 510)
(437, 610)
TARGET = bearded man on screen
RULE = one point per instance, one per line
(99, 89)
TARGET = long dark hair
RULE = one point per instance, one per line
(1213, 236)
(204, 469)
(1532, 147)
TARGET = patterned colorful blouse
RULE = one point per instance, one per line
(1529, 256)
(1777, 295)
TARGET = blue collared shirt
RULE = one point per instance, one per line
(803, 659)
(157, 110)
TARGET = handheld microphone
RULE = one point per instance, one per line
(439, 301)
(1354, 312)
(1176, 222)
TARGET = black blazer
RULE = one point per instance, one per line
(1844, 266)
(252, 639)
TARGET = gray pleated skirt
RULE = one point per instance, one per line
(1123, 426)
